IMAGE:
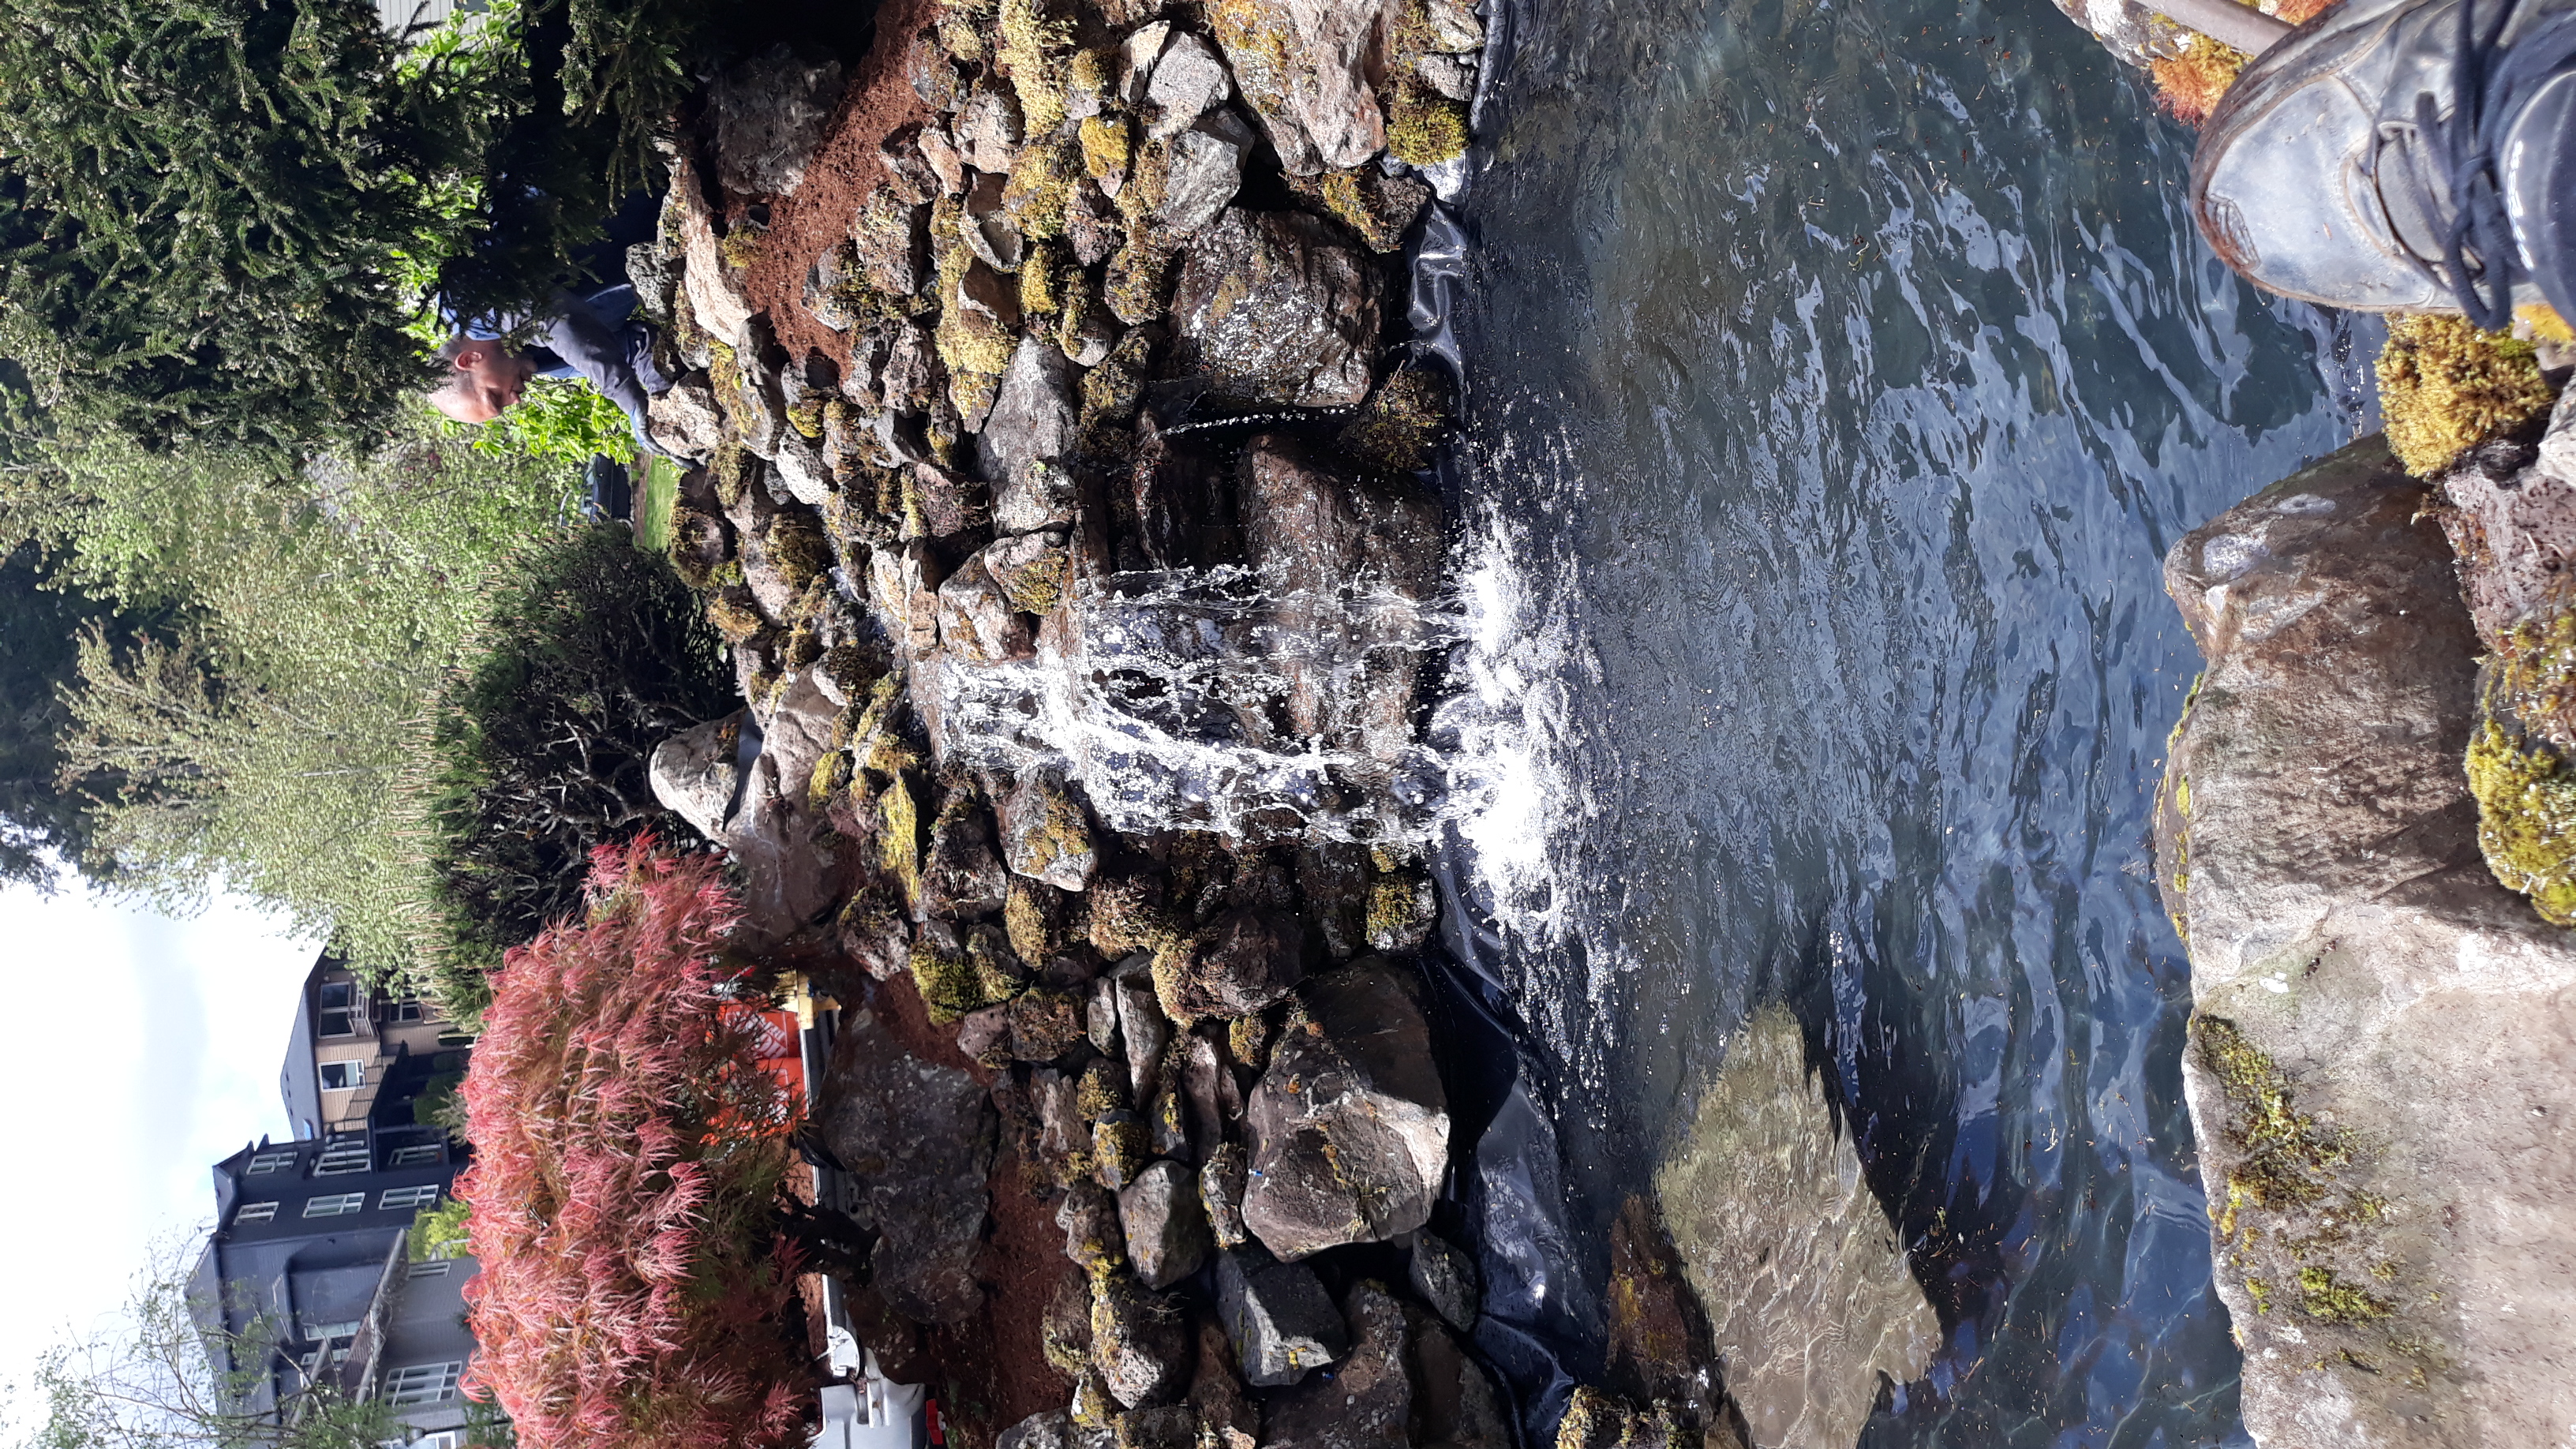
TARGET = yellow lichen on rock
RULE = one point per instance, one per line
(2526, 820)
(1032, 46)
(1107, 146)
(2445, 387)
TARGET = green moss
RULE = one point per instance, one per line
(805, 415)
(734, 470)
(1399, 911)
(1108, 144)
(1424, 127)
(832, 775)
(973, 343)
(2535, 674)
(1379, 207)
(2526, 820)
(1102, 1091)
(899, 839)
(973, 393)
(1033, 44)
(2289, 1157)
(1595, 1420)
(1042, 181)
(797, 548)
(1247, 1038)
(1037, 589)
(2446, 387)
(734, 615)
(953, 983)
(698, 545)
(800, 648)
(740, 247)
(2324, 1296)
(1400, 425)
(1027, 919)
(1093, 1407)
(1139, 282)
(1119, 1150)
(1045, 280)
(1124, 918)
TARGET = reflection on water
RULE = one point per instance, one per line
(1838, 378)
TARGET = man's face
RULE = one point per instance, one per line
(487, 378)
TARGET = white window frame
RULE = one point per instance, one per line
(431, 1267)
(255, 1212)
(420, 1195)
(277, 1161)
(356, 1069)
(422, 1383)
(419, 1154)
(325, 1332)
(343, 1157)
(335, 1205)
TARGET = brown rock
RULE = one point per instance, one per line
(1303, 65)
(1216, 1391)
(977, 623)
(1367, 1401)
(1245, 961)
(1269, 307)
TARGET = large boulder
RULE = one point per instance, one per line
(1807, 1289)
(1271, 307)
(1166, 1230)
(1304, 67)
(1245, 961)
(1032, 422)
(2378, 1057)
(1347, 563)
(767, 820)
(770, 112)
(918, 1137)
(1349, 1128)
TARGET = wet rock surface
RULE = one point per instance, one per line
(2383, 1177)
(918, 1137)
(1349, 1128)
(1808, 1293)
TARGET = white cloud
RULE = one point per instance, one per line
(146, 1049)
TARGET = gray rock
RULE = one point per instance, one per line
(1343, 558)
(1455, 27)
(908, 172)
(1143, 1030)
(985, 1036)
(890, 238)
(1245, 961)
(1349, 1128)
(1809, 1298)
(1453, 76)
(1172, 1426)
(1064, 1333)
(987, 128)
(1139, 1341)
(992, 231)
(685, 422)
(760, 413)
(770, 111)
(2373, 1121)
(1442, 1277)
(948, 168)
(1032, 422)
(1202, 171)
(910, 376)
(1032, 570)
(1221, 1181)
(1203, 1070)
(1276, 1315)
(825, 297)
(1053, 1429)
(1303, 65)
(933, 72)
(977, 623)
(801, 468)
(1061, 1131)
(1102, 1016)
(716, 296)
(1045, 833)
(1186, 81)
(694, 773)
(1367, 1403)
(918, 1137)
(877, 937)
(1092, 1234)
(1167, 1231)
(1092, 225)
(1136, 56)
(984, 292)
(961, 878)
(903, 584)
(1269, 307)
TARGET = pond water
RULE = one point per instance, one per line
(1838, 377)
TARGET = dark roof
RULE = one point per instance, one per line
(299, 1083)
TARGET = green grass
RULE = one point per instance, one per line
(653, 505)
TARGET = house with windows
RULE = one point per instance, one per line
(358, 1058)
(309, 1270)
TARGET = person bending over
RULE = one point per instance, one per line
(596, 338)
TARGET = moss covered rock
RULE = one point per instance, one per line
(2445, 387)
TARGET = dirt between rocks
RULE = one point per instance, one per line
(989, 1372)
(806, 223)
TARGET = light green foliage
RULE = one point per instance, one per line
(438, 1232)
(554, 421)
(259, 741)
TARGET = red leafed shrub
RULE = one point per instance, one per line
(628, 1155)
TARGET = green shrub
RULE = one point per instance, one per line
(593, 654)
(438, 1232)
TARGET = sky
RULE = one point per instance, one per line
(146, 1048)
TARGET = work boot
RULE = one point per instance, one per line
(2356, 163)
